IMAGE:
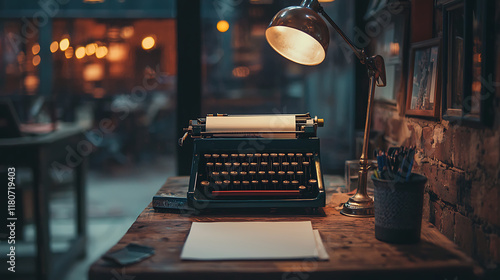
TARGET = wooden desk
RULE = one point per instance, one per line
(40, 153)
(354, 251)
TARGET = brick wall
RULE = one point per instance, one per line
(462, 164)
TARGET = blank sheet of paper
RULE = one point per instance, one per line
(250, 241)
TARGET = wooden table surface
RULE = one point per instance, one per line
(350, 242)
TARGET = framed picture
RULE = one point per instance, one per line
(467, 94)
(424, 88)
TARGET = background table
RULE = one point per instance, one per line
(39, 153)
(350, 242)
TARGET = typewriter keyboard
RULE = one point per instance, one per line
(231, 175)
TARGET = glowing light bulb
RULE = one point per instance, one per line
(101, 52)
(36, 60)
(222, 26)
(54, 46)
(68, 53)
(64, 44)
(35, 49)
(80, 52)
(148, 43)
(90, 49)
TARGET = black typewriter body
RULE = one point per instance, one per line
(256, 172)
(246, 161)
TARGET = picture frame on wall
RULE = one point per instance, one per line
(424, 80)
(467, 94)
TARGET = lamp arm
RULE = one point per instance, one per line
(360, 53)
(375, 64)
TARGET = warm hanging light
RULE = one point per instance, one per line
(80, 52)
(35, 49)
(64, 44)
(101, 52)
(54, 46)
(222, 26)
(36, 60)
(68, 53)
(90, 49)
(148, 43)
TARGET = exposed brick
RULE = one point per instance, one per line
(436, 214)
(464, 233)
(448, 223)
(427, 141)
(462, 146)
(491, 153)
(444, 146)
(426, 208)
(495, 247)
(450, 183)
(485, 202)
(481, 248)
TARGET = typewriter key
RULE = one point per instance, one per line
(286, 184)
(285, 165)
(246, 185)
(275, 184)
(263, 165)
(253, 166)
(207, 156)
(237, 185)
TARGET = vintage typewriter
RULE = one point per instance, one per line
(255, 161)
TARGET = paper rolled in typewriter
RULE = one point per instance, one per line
(285, 126)
(252, 126)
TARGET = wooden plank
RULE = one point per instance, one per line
(350, 242)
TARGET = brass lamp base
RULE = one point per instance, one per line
(358, 208)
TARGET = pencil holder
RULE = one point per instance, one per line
(398, 209)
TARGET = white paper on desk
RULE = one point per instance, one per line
(250, 241)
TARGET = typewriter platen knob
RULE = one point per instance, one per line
(320, 122)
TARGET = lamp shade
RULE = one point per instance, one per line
(299, 34)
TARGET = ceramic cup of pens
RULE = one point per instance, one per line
(398, 197)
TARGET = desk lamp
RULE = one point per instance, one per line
(299, 34)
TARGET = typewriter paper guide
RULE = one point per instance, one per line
(252, 124)
(250, 241)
